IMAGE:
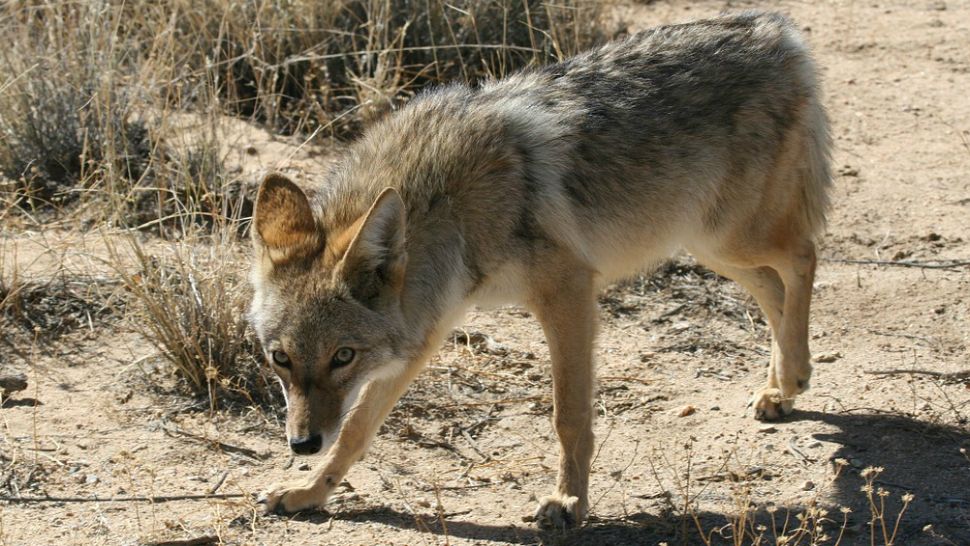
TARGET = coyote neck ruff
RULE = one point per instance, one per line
(538, 189)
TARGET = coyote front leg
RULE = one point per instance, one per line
(566, 308)
(358, 429)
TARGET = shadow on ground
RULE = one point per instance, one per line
(920, 458)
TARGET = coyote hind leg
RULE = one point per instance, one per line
(783, 290)
(793, 370)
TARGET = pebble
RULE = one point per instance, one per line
(687, 410)
(90, 479)
(680, 326)
(304, 467)
(826, 358)
(767, 429)
(808, 485)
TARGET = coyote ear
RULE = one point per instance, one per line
(283, 221)
(376, 258)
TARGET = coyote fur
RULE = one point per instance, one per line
(540, 189)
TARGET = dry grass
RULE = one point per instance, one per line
(300, 66)
(189, 302)
(90, 88)
(67, 107)
(112, 113)
(751, 523)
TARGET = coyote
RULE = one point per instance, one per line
(540, 189)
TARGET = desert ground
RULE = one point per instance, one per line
(468, 450)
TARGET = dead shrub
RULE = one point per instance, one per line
(190, 304)
(300, 66)
(66, 116)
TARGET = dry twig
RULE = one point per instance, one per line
(928, 264)
(942, 375)
(154, 499)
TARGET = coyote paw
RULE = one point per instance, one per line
(560, 512)
(770, 405)
(291, 497)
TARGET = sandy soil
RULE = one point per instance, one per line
(468, 450)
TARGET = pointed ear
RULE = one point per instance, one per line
(376, 259)
(283, 221)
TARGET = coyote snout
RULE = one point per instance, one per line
(309, 426)
(540, 189)
(306, 445)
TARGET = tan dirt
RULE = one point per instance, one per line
(468, 450)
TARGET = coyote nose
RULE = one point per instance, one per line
(306, 445)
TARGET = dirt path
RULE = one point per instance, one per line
(468, 450)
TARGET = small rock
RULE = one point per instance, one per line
(11, 383)
(808, 485)
(814, 444)
(687, 410)
(304, 467)
(423, 503)
(90, 479)
(848, 170)
(715, 408)
(251, 150)
(856, 463)
(680, 326)
(766, 429)
(826, 358)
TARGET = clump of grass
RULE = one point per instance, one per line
(190, 303)
(188, 182)
(88, 87)
(66, 119)
(299, 66)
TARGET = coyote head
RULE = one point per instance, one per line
(326, 305)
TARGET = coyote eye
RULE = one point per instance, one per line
(342, 357)
(281, 359)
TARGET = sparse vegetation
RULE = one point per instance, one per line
(125, 116)
(189, 302)
(90, 87)
(67, 103)
(302, 66)
(119, 107)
